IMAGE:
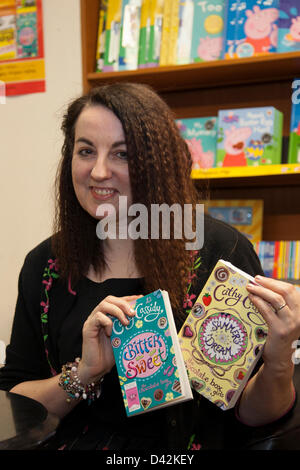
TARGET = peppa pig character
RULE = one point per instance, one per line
(234, 145)
(260, 29)
(200, 158)
(210, 48)
(294, 34)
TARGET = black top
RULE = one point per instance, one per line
(104, 423)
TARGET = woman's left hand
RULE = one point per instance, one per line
(279, 304)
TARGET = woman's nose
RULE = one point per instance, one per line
(101, 170)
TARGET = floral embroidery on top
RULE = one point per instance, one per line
(50, 274)
(187, 305)
(192, 445)
(188, 299)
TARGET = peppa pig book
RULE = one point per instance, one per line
(289, 26)
(201, 136)
(208, 27)
(249, 137)
(223, 337)
(149, 361)
(250, 28)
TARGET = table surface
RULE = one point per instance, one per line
(24, 423)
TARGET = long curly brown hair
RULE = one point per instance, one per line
(159, 168)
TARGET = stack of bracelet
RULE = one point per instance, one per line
(70, 383)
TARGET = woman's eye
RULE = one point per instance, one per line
(122, 155)
(85, 152)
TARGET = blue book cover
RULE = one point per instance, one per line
(150, 365)
(251, 28)
(289, 26)
(249, 137)
(201, 136)
(266, 256)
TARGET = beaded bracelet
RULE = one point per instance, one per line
(70, 383)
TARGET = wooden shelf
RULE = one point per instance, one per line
(201, 89)
(220, 73)
(267, 175)
(250, 181)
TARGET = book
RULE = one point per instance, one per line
(100, 51)
(130, 35)
(149, 361)
(289, 26)
(249, 137)
(165, 34)
(265, 251)
(112, 36)
(185, 31)
(246, 215)
(294, 140)
(201, 136)
(144, 39)
(173, 35)
(156, 22)
(250, 28)
(208, 27)
(223, 337)
(279, 259)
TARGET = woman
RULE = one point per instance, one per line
(121, 140)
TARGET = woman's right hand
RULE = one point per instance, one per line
(97, 354)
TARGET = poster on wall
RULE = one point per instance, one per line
(22, 64)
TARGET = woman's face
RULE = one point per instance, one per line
(99, 163)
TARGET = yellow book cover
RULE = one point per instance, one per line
(174, 28)
(246, 215)
(112, 35)
(165, 37)
(222, 339)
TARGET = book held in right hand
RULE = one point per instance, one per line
(222, 339)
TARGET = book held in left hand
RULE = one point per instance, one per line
(222, 339)
(149, 361)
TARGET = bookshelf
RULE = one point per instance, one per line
(197, 90)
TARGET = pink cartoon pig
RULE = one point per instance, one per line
(234, 145)
(295, 29)
(210, 48)
(200, 158)
(259, 28)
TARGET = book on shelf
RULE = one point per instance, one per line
(294, 141)
(130, 35)
(100, 51)
(176, 32)
(165, 34)
(112, 36)
(208, 27)
(185, 31)
(246, 215)
(149, 361)
(249, 137)
(223, 337)
(201, 136)
(250, 28)
(156, 22)
(280, 259)
(144, 38)
(289, 26)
